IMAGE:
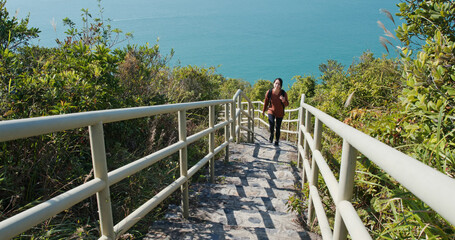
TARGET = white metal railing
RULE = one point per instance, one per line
(429, 185)
(287, 120)
(100, 185)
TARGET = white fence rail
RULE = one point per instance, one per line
(100, 185)
(431, 186)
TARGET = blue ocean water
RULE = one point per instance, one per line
(247, 39)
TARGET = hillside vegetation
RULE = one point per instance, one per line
(406, 102)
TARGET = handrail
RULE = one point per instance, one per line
(418, 178)
(23, 128)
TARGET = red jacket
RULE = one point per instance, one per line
(277, 108)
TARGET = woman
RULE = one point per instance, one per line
(275, 101)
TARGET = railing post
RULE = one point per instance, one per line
(289, 119)
(345, 186)
(306, 149)
(232, 117)
(259, 115)
(249, 122)
(300, 136)
(307, 129)
(212, 142)
(239, 117)
(313, 179)
(100, 169)
(183, 154)
(252, 116)
(226, 132)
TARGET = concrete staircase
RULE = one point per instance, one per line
(248, 200)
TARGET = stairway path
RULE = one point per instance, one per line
(248, 200)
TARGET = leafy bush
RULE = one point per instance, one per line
(13, 33)
(230, 86)
(259, 90)
(301, 85)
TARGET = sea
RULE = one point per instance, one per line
(243, 39)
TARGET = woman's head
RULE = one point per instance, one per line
(278, 81)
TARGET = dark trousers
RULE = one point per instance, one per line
(275, 123)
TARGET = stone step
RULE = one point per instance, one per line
(238, 203)
(279, 156)
(171, 231)
(248, 218)
(258, 182)
(264, 150)
(264, 165)
(224, 191)
(257, 169)
(261, 173)
(236, 217)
